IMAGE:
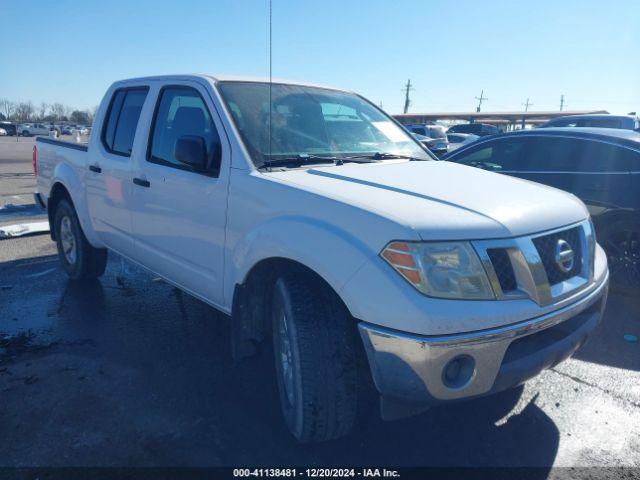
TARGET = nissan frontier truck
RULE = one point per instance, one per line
(328, 234)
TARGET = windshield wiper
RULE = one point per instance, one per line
(380, 156)
(300, 160)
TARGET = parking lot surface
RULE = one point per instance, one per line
(129, 371)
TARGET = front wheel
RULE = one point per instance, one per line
(313, 343)
(78, 257)
(26, 133)
(621, 242)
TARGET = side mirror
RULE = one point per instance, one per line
(192, 151)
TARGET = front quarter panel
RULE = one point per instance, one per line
(268, 219)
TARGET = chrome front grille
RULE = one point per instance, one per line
(504, 270)
(544, 267)
(546, 246)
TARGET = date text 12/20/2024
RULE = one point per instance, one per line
(316, 472)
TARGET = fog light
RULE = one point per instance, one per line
(458, 371)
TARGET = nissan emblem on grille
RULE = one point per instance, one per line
(564, 256)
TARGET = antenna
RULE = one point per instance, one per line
(270, 70)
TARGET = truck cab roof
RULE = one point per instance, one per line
(220, 78)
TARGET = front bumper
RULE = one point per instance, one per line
(417, 370)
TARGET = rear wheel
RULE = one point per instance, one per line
(313, 342)
(621, 242)
(79, 258)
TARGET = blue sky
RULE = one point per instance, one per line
(70, 51)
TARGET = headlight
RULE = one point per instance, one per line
(440, 269)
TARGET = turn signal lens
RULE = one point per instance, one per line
(34, 160)
(399, 257)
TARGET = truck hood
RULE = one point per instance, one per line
(441, 200)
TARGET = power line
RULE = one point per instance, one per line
(407, 101)
(480, 99)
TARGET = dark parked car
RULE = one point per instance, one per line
(625, 122)
(9, 127)
(600, 166)
(480, 129)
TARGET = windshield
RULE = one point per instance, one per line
(310, 121)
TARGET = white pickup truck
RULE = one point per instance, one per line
(318, 223)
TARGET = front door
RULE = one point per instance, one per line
(179, 212)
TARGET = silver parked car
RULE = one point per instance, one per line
(624, 122)
(457, 140)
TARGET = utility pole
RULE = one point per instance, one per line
(407, 101)
(561, 102)
(526, 109)
(480, 99)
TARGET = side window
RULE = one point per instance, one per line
(551, 154)
(122, 120)
(604, 157)
(603, 123)
(499, 155)
(181, 111)
(419, 131)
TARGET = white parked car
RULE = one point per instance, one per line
(30, 129)
(3, 132)
(321, 225)
(456, 140)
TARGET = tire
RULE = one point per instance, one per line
(25, 133)
(621, 241)
(314, 334)
(79, 258)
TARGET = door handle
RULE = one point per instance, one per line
(95, 168)
(141, 182)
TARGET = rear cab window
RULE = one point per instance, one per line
(122, 119)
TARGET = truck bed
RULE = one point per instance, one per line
(62, 143)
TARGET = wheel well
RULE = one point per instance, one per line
(58, 192)
(252, 301)
(612, 216)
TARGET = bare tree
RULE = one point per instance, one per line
(57, 110)
(42, 110)
(24, 111)
(7, 107)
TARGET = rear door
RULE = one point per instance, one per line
(595, 171)
(179, 214)
(108, 175)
